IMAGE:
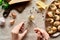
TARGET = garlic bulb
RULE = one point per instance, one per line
(2, 21)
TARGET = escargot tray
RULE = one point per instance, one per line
(52, 19)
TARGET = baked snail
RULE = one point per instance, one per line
(51, 30)
(54, 29)
(57, 17)
(56, 3)
(51, 20)
(48, 28)
(59, 28)
(53, 7)
(59, 5)
(58, 11)
(56, 23)
(50, 14)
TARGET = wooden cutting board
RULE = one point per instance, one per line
(18, 6)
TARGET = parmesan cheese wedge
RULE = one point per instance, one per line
(17, 1)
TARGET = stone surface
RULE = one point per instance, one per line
(31, 9)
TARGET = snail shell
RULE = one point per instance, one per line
(50, 14)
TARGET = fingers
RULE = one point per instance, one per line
(17, 28)
(39, 36)
(36, 30)
(24, 33)
(38, 33)
(43, 32)
(46, 35)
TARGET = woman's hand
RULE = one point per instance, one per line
(18, 32)
(41, 34)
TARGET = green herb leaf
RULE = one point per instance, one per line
(5, 6)
(1, 2)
